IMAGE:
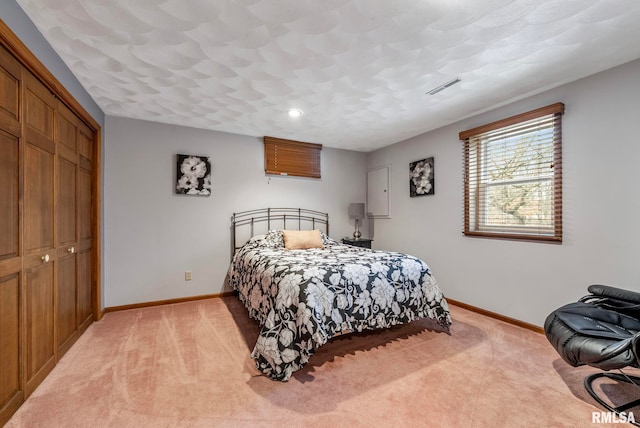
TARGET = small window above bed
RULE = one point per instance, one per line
(288, 157)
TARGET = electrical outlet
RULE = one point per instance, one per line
(187, 276)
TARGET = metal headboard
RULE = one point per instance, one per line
(281, 218)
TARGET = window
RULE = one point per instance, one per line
(513, 177)
(288, 157)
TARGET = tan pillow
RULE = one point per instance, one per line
(302, 239)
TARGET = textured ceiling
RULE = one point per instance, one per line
(359, 69)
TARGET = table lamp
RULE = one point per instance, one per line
(356, 211)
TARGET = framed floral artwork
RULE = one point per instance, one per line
(193, 175)
(421, 177)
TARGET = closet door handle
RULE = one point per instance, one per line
(71, 250)
(45, 258)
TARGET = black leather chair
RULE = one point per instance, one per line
(601, 330)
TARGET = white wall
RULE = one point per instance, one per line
(523, 280)
(152, 235)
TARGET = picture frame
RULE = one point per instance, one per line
(193, 175)
(422, 177)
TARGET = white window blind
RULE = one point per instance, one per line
(513, 177)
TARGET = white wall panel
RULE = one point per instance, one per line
(378, 191)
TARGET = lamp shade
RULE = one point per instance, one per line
(356, 210)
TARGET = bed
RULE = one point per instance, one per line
(305, 288)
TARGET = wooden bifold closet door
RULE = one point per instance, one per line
(11, 386)
(38, 215)
(47, 225)
(73, 232)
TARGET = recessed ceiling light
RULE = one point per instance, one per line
(295, 112)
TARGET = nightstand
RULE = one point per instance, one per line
(360, 242)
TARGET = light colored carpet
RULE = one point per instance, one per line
(188, 364)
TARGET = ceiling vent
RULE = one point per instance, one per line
(444, 86)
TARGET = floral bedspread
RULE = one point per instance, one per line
(302, 298)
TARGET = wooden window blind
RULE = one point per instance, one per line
(288, 157)
(513, 177)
